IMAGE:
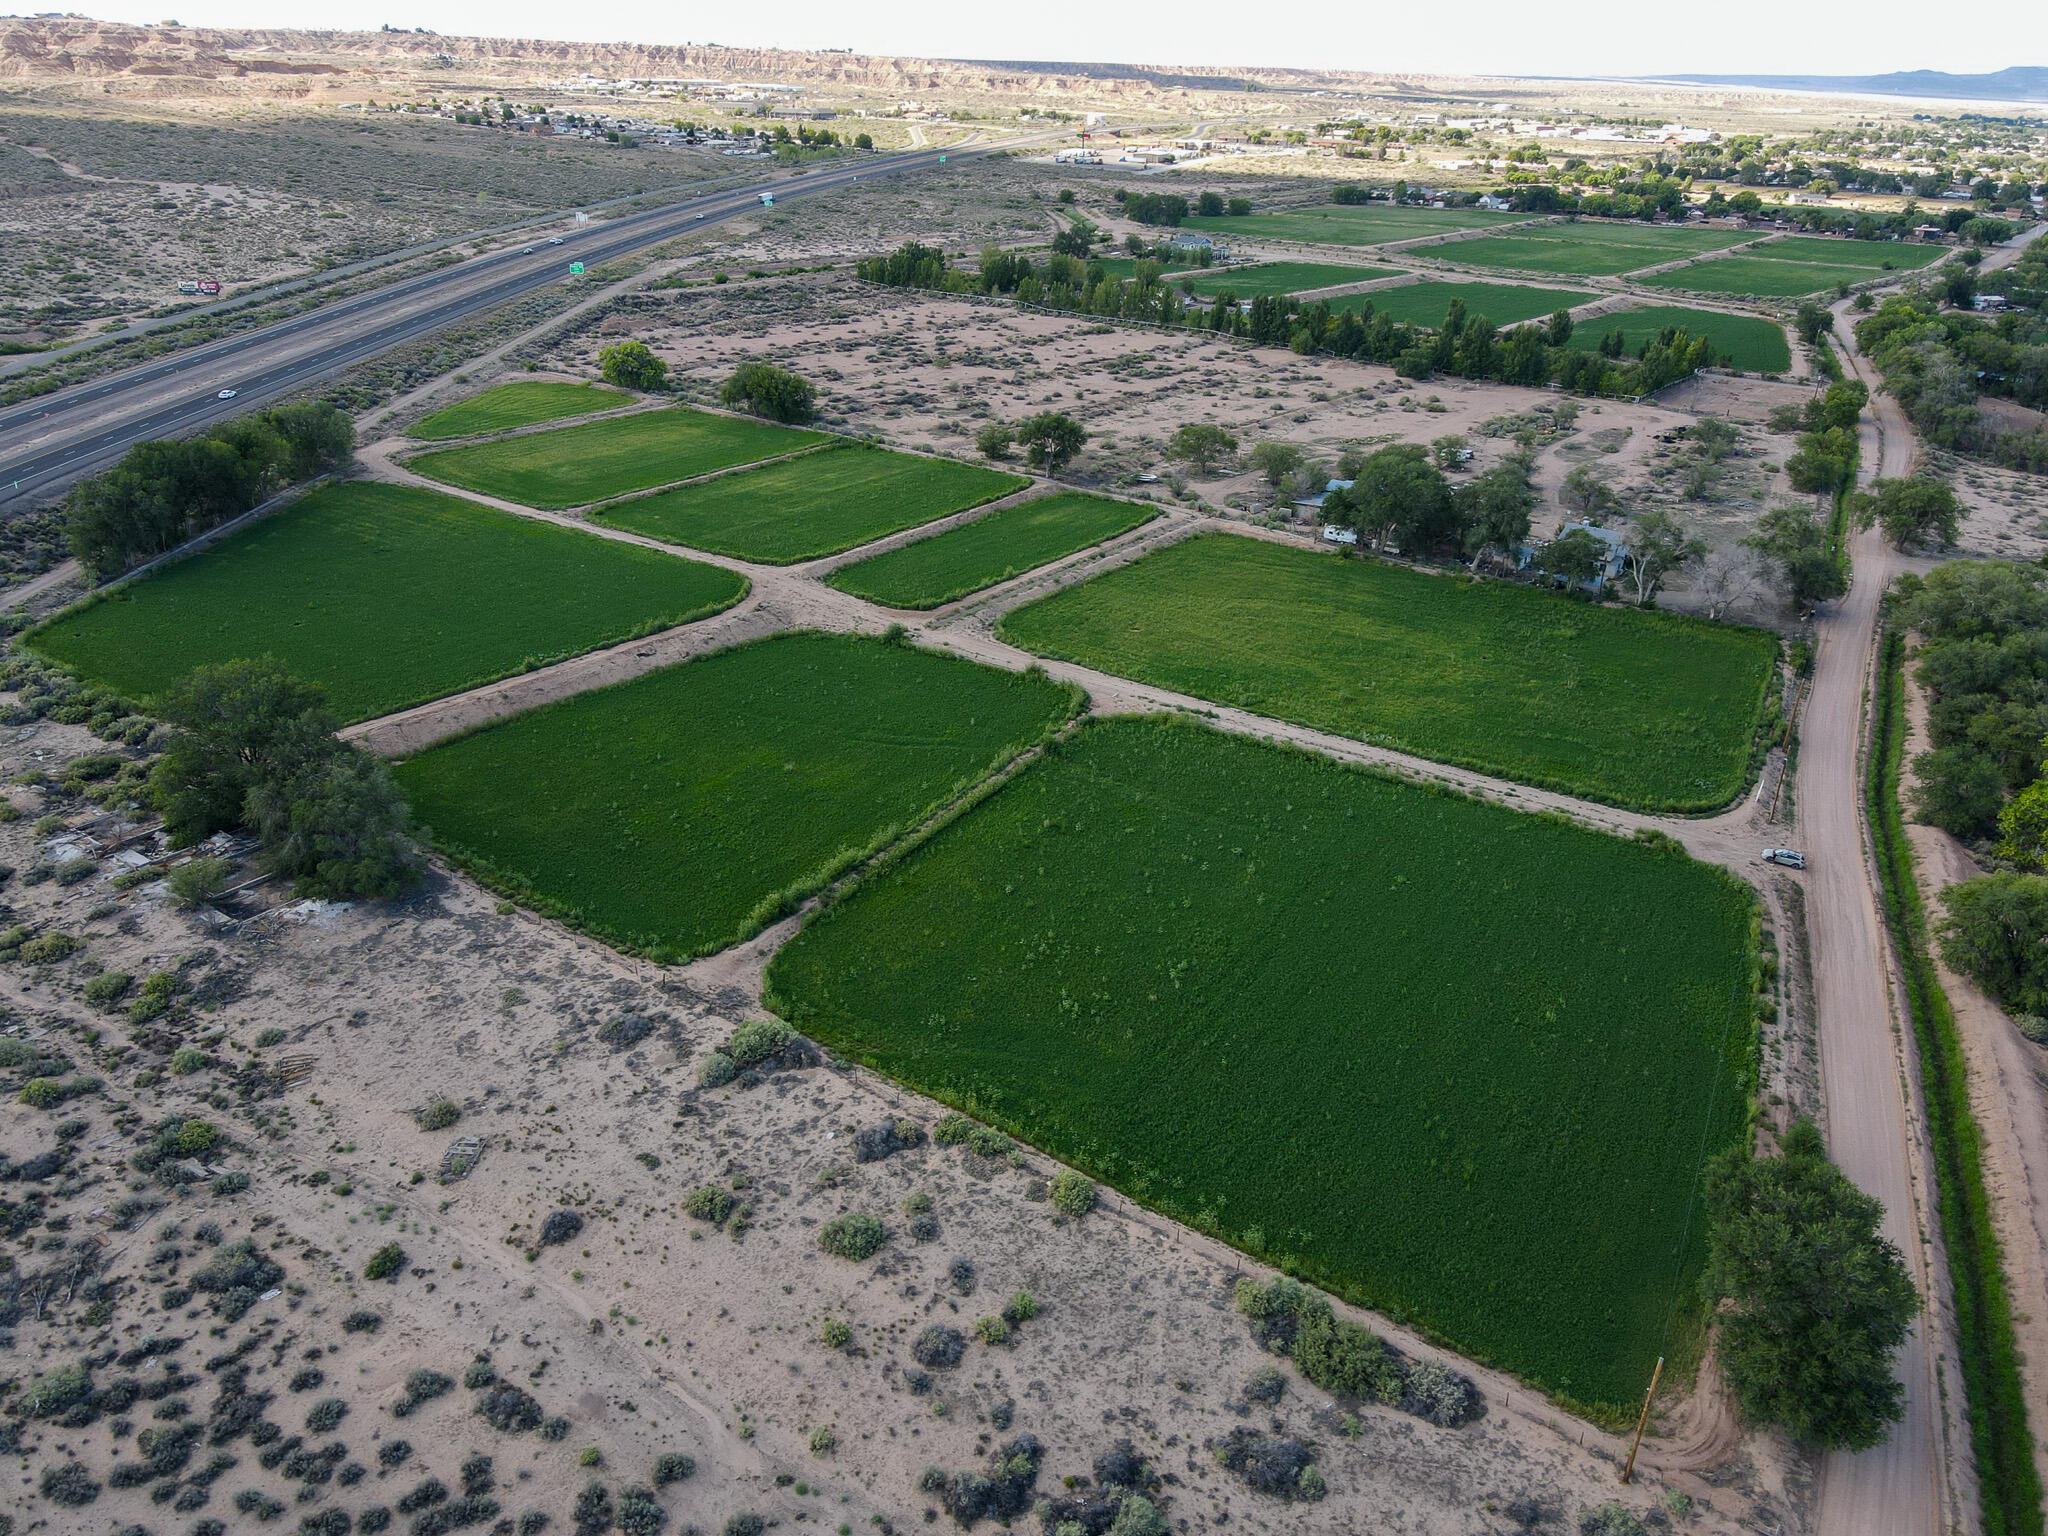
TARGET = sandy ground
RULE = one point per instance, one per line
(648, 1331)
(2007, 512)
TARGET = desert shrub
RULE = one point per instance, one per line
(626, 1031)
(477, 1476)
(872, 1143)
(593, 1510)
(961, 1272)
(439, 1115)
(232, 1182)
(938, 1347)
(1072, 1193)
(533, 1522)
(559, 1227)
(853, 1235)
(992, 1330)
(194, 884)
(1610, 1519)
(834, 1333)
(306, 1380)
(421, 1386)
(823, 1441)
(1439, 1394)
(716, 1070)
(1137, 1515)
(253, 1501)
(556, 1428)
(68, 1486)
(1265, 1385)
(759, 1039)
(1270, 1464)
(1020, 1308)
(105, 989)
(49, 948)
(673, 1467)
(924, 1228)
(351, 1474)
(187, 1061)
(326, 1415)
(425, 1495)
(639, 1513)
(745, 1523)
(385, 1263)
(235, 1276)
(707, 1202)
(53, 1392)
(269, 1037)
(394, 1453)
(1003, 1492)
(479, 1373)
(362, 1321)
(373, 1520)
(589, 1456)
(1342, 1358)
(42, 1093)
(509, 1410)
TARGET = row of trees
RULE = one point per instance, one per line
(1465, 346)
(163, 493)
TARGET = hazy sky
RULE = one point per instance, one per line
(1472, 36)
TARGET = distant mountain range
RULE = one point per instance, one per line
(2026, 84)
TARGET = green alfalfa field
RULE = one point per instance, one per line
(1448, 1060)
(817, 504)
(677, 813)
(388, 595)
(1747, 341)
(1647, 710)
(992, 548)
(523, 403)
(573, 466)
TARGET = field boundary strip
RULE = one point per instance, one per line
(2008, 1483)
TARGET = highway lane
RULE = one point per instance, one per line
(51, 442)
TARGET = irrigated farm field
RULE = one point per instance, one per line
(1427, 303)
(1422, 1049)
(669, 814)
(517, 405)
(1636, 709)
(388, 595)
(1350, 224)
(816, 505)
(1747, 341)
(1588, 250)
(1794, 266)
(577, 465)
(988, 550)
(1279, 277)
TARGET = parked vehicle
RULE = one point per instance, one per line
(1791, 858)
(1332, 534)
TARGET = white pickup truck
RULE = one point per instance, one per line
(1332, 534)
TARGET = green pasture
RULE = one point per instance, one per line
(1427, 303)
(516, 405)
(1748, 342)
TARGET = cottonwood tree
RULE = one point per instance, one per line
(1585, 490)
(995, 440)
(1726, 579)
(1280, 463)
(1397, 497)
(256, 747)
(1995, 931)
(630, 365)
(1495, 508)
(1657, 545)
(1799, 547)
(766, 390)
(1050, 439)
(1917, 510)
(1573, 556)
(1202, 446)
(1817, 1301)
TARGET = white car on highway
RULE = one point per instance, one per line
(227, 394)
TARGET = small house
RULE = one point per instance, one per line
(1312, 506)
(1613, 558)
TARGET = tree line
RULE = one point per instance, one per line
(164, 493)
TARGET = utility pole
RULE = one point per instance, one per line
(1628, 1469)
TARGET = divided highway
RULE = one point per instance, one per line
(49, 443)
